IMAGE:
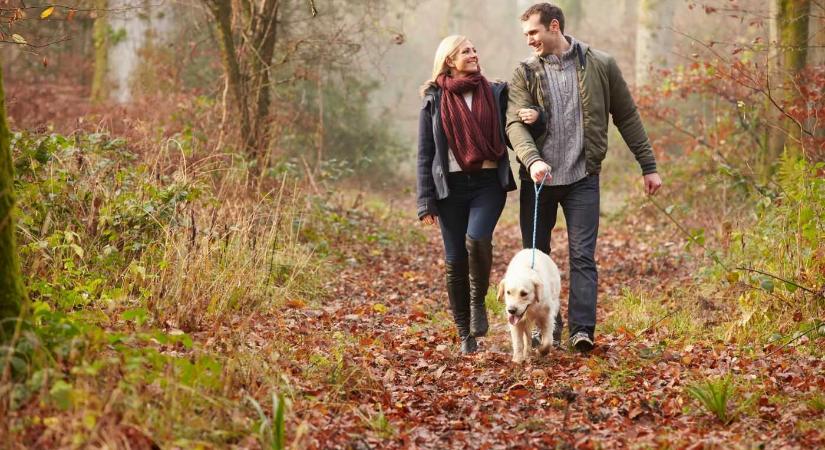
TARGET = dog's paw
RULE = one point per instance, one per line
(545, 349)
(518, 359)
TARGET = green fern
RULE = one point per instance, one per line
(714, 395)
(271, 432)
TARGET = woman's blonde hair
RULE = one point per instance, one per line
(448, 48)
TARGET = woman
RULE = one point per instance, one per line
(464, 175)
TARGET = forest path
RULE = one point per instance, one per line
(402, 383)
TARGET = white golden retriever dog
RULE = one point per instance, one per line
(531, 297)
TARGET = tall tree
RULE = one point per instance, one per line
(139, 28)
(816, 34)
(789, 37)
(100, 36)
(654, 38)
(247, 33)
(11, 286)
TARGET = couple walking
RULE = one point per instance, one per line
(554, 114)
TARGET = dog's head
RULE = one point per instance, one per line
(518, 292)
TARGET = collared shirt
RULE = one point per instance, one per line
(564, 147)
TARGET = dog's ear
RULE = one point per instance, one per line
(500, 293)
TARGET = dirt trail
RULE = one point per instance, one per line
(408, 388)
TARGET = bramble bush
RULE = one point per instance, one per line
(758, 222)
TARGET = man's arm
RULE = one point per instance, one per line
(627, 120)
(517, 131)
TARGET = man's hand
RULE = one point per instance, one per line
(652, 183)
(528, 115)
(538, 170)
(429, 219)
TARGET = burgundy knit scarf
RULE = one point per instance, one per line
(474, 136)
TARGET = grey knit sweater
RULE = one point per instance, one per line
(564, 149)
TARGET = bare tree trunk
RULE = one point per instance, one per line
(11, 286)
(816, 34)
(789, 37)
(264, 27)
(100, 35)
(654, 37)
(141, 25)
(247, 65)
(222, 13)
(630, 16)
(816, 53)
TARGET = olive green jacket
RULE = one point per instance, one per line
(602, 90)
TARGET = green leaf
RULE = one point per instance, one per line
(61, 394)
(138, 315)
(767, 284)
(790, 287)
(279, 421)
(138, 270)
(77, 250)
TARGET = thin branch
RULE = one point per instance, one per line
(639, 334)
(746, 269)
(805, 333)
(756, 85)
(28, 44)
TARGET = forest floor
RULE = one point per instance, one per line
(398, 381)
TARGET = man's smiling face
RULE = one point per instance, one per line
(538, 36)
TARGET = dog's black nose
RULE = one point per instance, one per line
(512, 310)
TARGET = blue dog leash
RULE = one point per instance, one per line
(536, 188)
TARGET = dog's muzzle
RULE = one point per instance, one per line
(515, 318)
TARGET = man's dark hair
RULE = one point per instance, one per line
(547, 12)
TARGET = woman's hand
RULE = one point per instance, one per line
(430, 219)
(528, 115)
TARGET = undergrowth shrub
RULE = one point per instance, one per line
(777, 264)
(125, 258)
(754, 224)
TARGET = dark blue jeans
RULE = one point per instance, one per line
(471, 209)
(580, 203)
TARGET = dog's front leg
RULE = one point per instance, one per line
(527, 339)
(515, 338)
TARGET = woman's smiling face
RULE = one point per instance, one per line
(465, 62)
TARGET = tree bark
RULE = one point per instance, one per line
(816, 34)
(100, 36)
(11, 285)
(264, 28)
(789, 36)
(222, 13)
(654, 38)
(247, 65)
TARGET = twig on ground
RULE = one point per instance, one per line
(654, 325)
(805, 333)
(746, 269)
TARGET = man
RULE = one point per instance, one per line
(577, 88)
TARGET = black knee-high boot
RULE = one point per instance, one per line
(481, 261)
(458, 290)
